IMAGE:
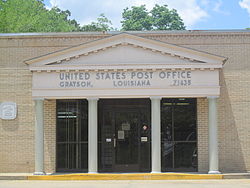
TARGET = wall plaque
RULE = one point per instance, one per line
(8, 110)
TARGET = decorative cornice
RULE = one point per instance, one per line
(92, 34)
(126, 70)
(187, 37)
(191, 59)
(122, 44)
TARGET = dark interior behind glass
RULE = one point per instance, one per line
(178, 134)
(72, 135)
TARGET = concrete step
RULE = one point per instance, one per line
(134, 176)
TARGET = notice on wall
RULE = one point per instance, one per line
(125, 126)
(121, 135)
(8, 110)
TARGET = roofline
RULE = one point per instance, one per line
(229, 31)
(129, 35)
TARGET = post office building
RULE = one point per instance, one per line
(116, 102)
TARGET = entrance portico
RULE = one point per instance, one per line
(127, 66)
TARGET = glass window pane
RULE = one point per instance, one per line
(166, 120)
(72, 135)
(178, 134)
(127, 143)
(184, 120)
(167, 148)
(83, 119)
(61, 155)
(62, 131)
(84, 156)
(185, 156)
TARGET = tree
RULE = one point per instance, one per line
(165, 19)
(102, 24)
(137, 19)
(159, 18)
(32, 16)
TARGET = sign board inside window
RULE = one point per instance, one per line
(125, 126)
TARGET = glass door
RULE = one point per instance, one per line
(124, 131)
(126, 141)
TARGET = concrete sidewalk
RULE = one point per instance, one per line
(243, 183)
(15, 176)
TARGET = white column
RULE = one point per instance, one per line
(213, 136)
(92, 136)
(39, 138)
(156, 134)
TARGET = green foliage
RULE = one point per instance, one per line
(32, 16)
(102, 24)
(159, 18)
(136, 19)
(165, 19)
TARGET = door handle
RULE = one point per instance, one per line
(114, 142)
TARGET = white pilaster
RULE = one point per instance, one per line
(156, 134)
(39, 137)
(92, 136)
(213, 136)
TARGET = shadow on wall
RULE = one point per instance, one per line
(231, 157)
(16, 142)
(10, 125)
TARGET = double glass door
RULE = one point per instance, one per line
(125, 136)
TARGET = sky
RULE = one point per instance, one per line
(196, 14)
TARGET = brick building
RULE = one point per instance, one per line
(125, 102)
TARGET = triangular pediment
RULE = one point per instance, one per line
(125, 50)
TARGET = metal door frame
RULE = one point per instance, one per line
(143, 108)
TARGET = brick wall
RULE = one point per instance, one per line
(50, 135)
(202, 130)
(17, 136)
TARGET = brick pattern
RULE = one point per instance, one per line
(50, 135)
(202, 131)
(17, 136)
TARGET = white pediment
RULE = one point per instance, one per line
(124, 55)
(125, 51)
